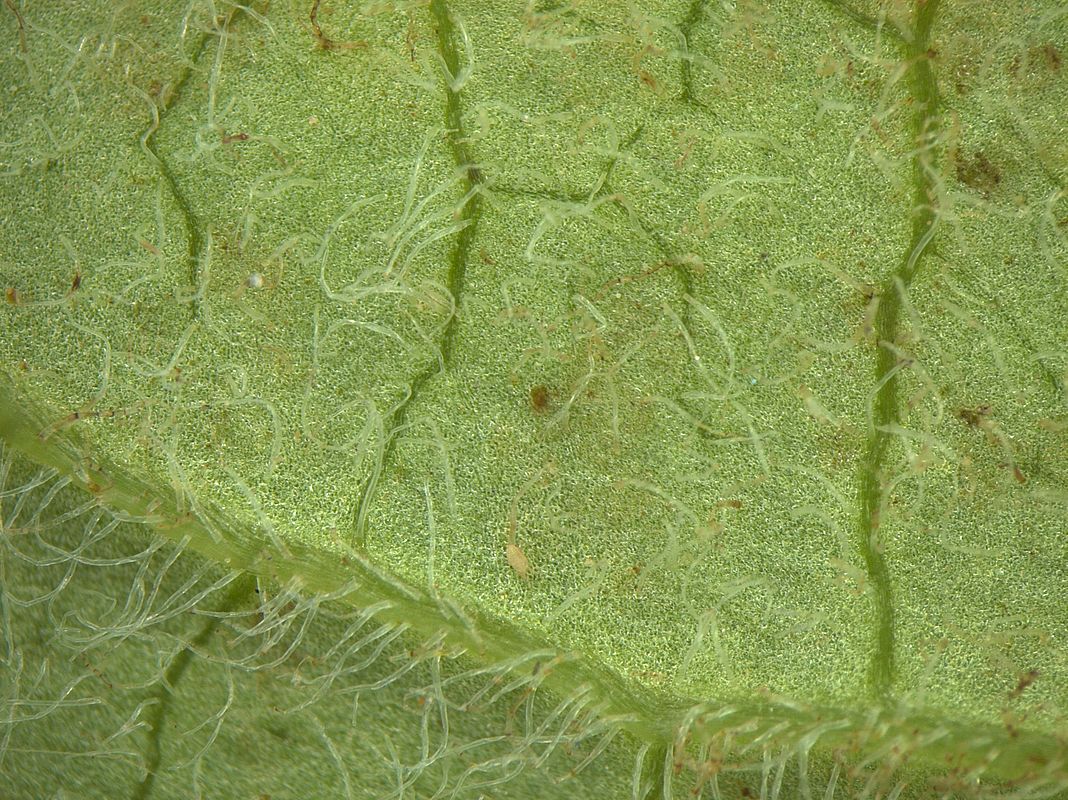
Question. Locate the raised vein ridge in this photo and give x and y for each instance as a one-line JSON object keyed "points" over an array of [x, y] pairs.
{"points": [[785, 726], [885, 409], [470, 213]]}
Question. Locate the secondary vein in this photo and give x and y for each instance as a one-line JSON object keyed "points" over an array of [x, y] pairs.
{"points": [[470, 213], [885, 408]]}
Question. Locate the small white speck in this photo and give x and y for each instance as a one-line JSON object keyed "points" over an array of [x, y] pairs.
{"points": [[254, 281]]}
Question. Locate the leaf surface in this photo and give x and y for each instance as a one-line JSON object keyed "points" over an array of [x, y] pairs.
{"points": [[703, 364]]}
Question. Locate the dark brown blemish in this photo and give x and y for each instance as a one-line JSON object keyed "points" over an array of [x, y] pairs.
{"points": [[649, 81], [1025, 680], [324, 41], [625, 279], [20, 22], [979, 173], [539, 398], [974, 417], [1052, 56], [89, 666], [1044, 55]]}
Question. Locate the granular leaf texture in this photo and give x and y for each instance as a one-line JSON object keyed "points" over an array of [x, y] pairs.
{"points": [[454, 399]]}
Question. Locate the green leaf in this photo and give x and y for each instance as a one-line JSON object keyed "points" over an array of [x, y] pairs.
{"points": [[443, 399]]}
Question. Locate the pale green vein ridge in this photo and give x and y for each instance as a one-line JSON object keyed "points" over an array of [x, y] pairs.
{"points": [[656, 720], [470, 214], [885, 411]]}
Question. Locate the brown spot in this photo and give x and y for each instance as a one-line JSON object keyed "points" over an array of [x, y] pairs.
{"points": [[974, 417], [237, 137], [1025, 680], [98, 673], [1044, 55], [979, 173], [11, 294], [1051, 55], [410, 38], [539, 398], [324, 41], [625, 279], [77, 282], [649, 81], [1011, 722]]}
